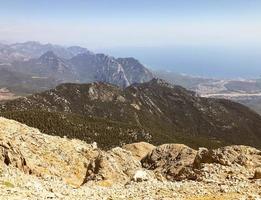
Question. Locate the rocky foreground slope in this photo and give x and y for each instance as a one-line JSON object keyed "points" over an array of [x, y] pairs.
{"points": [[38, 166]]}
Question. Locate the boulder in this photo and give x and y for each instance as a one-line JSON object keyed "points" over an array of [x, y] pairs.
{"points": [[116, 165], [229, 155], [172, 161], [139, 150]]}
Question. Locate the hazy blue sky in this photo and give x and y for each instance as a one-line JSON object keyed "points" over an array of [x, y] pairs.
{"points": [[185, 35], [112, 23]]}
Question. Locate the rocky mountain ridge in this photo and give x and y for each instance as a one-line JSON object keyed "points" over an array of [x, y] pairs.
{"points": [[29, 50], [34, 165], [161, 111]]}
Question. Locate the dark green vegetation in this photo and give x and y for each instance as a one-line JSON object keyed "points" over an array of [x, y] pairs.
{"points": [[154, 111], [106, 133]]}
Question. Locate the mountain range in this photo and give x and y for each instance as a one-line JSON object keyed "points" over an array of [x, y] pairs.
{"points": [[155, 111], [47, 65]]}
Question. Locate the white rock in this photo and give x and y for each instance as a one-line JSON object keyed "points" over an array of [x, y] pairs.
{"points": [[94, 145], [140, 175]]}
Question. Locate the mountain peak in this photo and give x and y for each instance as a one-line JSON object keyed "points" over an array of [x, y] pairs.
{"points": [[49, 54], [50, 65], [128, 58], [50, 58]]}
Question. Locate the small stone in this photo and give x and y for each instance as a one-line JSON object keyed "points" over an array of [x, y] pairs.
{"points": [[257, 174], [224, 188]]}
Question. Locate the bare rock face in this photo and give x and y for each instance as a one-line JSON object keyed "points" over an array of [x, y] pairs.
{"points": [[171, 160], [179, 162], [116, 166], [241, 155], [140, 149], [42, 155], [10, 155], [228, 163]]}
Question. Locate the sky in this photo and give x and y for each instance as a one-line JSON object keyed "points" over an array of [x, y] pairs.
{"points": [[112, 25]]}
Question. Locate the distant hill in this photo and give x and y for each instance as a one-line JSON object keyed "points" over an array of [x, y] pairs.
{"points": [[163, 112]]}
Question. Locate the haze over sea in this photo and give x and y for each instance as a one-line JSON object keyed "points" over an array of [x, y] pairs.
{"points": [[210, 61]]}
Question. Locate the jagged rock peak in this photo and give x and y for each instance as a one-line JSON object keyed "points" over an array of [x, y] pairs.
{"points": [[161, 82]]}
